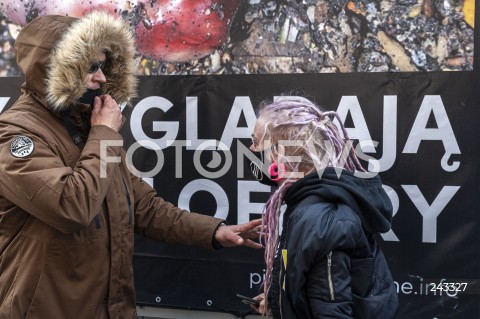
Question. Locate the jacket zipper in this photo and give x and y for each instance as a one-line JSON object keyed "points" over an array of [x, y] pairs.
{"points": [[329, 273], [281, 288], [281, 277], [127, 194]]}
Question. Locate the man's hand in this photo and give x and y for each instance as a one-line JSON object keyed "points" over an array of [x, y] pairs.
{"points": [[239, 235], [106, 112]]}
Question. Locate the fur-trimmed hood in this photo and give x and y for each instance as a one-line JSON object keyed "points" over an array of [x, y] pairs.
{"points": [[55, 53]]}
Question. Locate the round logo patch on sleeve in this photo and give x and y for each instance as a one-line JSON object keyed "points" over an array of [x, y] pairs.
{"points": [[21, 146]]}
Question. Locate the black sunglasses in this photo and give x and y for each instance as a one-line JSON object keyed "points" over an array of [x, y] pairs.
{"points": [[95, 66]]}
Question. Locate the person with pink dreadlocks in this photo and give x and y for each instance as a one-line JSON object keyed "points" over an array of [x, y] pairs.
{"points": [[325, 262]]}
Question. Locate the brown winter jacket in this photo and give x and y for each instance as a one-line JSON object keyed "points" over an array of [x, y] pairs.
{"points": [[66, 233]]}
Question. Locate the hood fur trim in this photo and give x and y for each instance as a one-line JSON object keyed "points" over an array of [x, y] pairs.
{"points": [[78, 48]]}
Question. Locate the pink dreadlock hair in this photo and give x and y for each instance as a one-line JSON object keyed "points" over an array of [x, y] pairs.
{"points": [[318, 145]]}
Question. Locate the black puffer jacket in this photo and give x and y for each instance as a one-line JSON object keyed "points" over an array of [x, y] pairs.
{"points": [[329, 265]]}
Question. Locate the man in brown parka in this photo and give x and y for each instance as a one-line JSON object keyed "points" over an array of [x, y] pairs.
{"points": [[66, 232]]}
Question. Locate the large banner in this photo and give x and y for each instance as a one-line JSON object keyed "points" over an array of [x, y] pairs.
{"points": [[188, 138], [419, 130], [385, 66]]}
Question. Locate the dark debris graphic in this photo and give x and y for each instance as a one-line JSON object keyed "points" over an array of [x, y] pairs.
{"points": [[318, 36]]}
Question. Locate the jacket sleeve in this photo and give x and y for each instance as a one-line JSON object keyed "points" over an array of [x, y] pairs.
{"points": [[63, 197], [158, 219], [318, 267]]}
